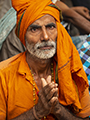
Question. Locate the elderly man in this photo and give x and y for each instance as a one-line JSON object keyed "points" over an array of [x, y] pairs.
{"points": [[47, 81]]}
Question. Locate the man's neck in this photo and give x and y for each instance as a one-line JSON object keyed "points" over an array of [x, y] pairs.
{"points": [[38, 66]]}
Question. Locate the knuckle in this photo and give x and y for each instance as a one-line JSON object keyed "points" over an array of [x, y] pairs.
{"points": [[53, 101], [51, 94], [46, 106], [48, 97]]}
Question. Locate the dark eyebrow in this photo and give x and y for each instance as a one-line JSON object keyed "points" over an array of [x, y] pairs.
{"points": [[50, 24], [36, 26]]}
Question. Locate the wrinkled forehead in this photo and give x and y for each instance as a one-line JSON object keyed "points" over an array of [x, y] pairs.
{"points": [[44, 20]]}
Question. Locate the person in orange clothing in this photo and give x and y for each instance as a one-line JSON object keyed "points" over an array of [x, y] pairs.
{"points": [[47, 81]]}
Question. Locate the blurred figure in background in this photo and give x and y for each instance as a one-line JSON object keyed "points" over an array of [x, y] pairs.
{"points": [[5, 5], [82, 10], [85, 3], [9, 47]]}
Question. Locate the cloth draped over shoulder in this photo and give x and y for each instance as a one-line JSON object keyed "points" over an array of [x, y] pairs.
{"points": [[71, 76], [6, 24]]}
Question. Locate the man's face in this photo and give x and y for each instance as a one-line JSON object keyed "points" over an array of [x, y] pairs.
{"points": [[41, 37]]}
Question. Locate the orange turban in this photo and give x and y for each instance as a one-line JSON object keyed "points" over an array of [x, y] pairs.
{"points": [[71, 76], [30, 10]]}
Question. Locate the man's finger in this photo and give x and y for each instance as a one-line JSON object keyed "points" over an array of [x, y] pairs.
{"points": [[48, 79], [52, 93], [49, 87], [44, 83], [53, 101]]}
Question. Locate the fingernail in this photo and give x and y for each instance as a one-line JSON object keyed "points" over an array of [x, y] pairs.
{"points": [[56, 84], [42, 78], [49, 76]]}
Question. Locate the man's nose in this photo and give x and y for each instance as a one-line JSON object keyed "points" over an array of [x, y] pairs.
{"points": [[44, 35]]}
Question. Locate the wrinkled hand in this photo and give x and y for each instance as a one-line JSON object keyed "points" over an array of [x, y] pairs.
{"points": [[48, 97], [82, 11]]}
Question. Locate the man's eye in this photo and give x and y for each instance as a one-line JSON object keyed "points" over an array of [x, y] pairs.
{"points": [[33, 29], [51, 26]]}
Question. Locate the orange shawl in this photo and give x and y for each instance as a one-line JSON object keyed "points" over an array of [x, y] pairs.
{"points": [[71, 76]]}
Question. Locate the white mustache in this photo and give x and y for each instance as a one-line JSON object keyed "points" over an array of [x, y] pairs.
{"points": [[44, 44], [34, 49]]}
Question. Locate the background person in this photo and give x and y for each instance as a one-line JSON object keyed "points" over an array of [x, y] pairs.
{"points": [[82, 10]]}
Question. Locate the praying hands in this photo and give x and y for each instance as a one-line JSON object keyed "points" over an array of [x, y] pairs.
{"points": [[48, 98]]}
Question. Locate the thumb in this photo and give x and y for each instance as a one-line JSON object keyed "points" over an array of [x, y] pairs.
{"points": [[48, 79], [44, 83]]}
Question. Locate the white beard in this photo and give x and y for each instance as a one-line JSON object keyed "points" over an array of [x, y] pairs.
{"points": [[34, 50]]}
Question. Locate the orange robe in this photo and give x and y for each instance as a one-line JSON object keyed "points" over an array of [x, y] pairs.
{"points": [[16, 89]]}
